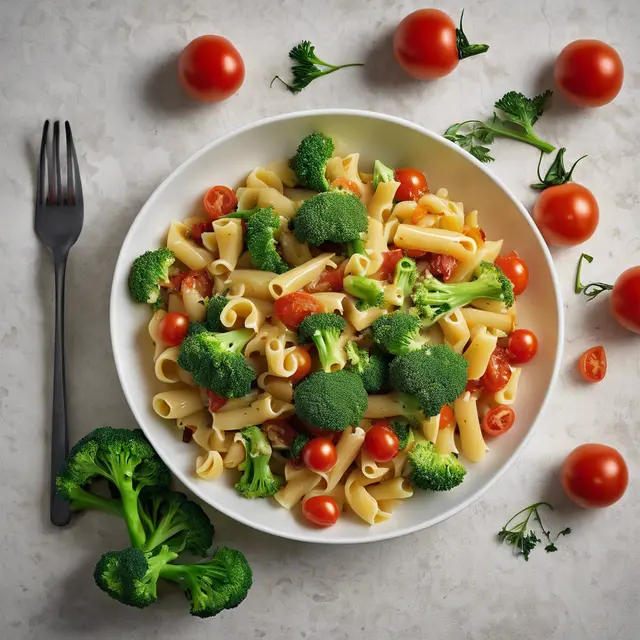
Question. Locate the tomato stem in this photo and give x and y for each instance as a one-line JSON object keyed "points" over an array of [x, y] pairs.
{"points": [[592, 289], [465, 49]]}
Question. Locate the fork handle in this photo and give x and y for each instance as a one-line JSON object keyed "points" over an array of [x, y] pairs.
{"points": [[60, 509]]}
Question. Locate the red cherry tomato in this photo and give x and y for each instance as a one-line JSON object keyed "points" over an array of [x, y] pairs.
{"points": [[343, 184], [388, 267], [304, 364], [474, 386], [319, 454], [515, 268], [329, 280], [589, 73], [293, 308], [523, 346], [198, 229], [498, 420], [321, 510], [566, 214], [173, 328], [200, 280], [447, 417], [593, 364], [413, 184], [216, 402], [219, 201], [279, 432], [594, 475], [498, 371], [441, 266], [625, 299], [210, 69], [381, 442]]}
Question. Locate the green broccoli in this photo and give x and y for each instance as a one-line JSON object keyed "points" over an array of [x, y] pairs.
{"points": [[125, 458], [435, 375], [323, 329], [261, 243], [215, 307], [331, 401], [257, 481], [310, 161], [298, 444], [433, 471], [405, 276], [382, 173], [148, 272], [433, 299], [404, 433], [196, 327], [216, 362], [333, 216], [369, 292], [372, 367], [397, 332]]}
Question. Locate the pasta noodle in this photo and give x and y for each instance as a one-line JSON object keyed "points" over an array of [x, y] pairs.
{"points": [[185, 249], [478, 353], [347, 449], [247, 313], [476, 317], [394, 489], [209, 467], [177, 404], [455, 329], [229, 238], [166, 366], [299, 482], [300, 276], [264, 408], [255, 284], [507, 395], [360, 501], [442, 241], [471, 440], [331, 302]]}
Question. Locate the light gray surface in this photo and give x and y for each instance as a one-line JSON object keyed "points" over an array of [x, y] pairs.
{"points": [[107, 66]]}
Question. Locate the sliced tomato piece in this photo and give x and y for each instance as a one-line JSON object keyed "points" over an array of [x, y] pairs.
{"points": [[498, 420], [441, 266], [219, 201], [216, 402], [199, 280], [198, 229], [593, 364]]}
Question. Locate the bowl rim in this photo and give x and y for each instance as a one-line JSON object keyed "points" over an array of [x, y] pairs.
{"points": [[315, 536]]}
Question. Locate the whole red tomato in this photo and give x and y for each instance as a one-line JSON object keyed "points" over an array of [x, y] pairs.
{"points": [[625, 299]]}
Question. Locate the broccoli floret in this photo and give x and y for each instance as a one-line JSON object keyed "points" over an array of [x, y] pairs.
{"points": [[405, 276], [216, 362], [435, 375], [433, 298], [397, 332], [368, 291], [196, 328], [334, 216], [331, 401], [310, 161], [257, 481], [261, 243], [382, 173], [372, 367], [433, 471], [404, 433], [148, 272], [214, 309], [323, 329], [298, 444]]}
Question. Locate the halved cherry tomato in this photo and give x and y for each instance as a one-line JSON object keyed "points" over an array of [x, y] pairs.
{"points": [[515, 268], [381, 442], [388, 267], [415, 253], [441, 266], [329, 280], [198, 229], [216, 402], [302, 357], [343, 184], [447, 419], [219, 201], [413, 184], [474, 385], [321, 510], [523, 346], [293, 308], [418, 213], [593, 364], [319, 455], [476, 233], [279, 433], [498, 420], [498, 371], [200, 280], [176, 280], [173, 328]]}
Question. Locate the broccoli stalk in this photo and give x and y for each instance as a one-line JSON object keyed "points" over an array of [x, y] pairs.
{"points": [[434, 299], [372, 368], [433, 471], [397, 332], [148, 272], [323, 329], [310, 162], [257, 481], [405, 276], [355, 246], [382, 173], [369, 292]]}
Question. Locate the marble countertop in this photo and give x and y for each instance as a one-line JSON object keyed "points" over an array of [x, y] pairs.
{"points": [[107, 66]]}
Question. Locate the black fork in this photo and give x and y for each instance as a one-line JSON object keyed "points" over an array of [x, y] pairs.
{"points": [[58, 222]]}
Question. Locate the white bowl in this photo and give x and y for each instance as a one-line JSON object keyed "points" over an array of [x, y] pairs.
{"points": [[397, 142]]}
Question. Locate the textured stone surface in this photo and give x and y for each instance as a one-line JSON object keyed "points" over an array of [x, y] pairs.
{"points": [[107, 66]]}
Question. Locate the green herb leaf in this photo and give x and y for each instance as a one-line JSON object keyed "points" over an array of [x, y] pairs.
{"points": [[465, 49], [556, 173]]}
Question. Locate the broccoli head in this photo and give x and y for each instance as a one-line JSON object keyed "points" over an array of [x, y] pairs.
{"points": [[196, 327], [369, 292], [331, 401], [148, 272], [397, 332], [261, 243], [310, 162], [297, 445], [405, 275], [257, 481], [372, 367], [435, 375], [433, 471], [323, 329], [382, 173], [333, 216], [215, 306], [434, 299], [216, 362], [404, 433]]}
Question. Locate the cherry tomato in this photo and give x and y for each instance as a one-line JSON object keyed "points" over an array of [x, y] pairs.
{"points": [[219, 201], [523, 346], [625, 299], [293, 308], [594, 475], [566, 214], [447, 418], [343, 184], [304, 364], [441, 266], [498, 371], [388, 267], [216, 402], [321, 510], [474, 386], [515, 268], [498, 420], [329, 280], [200, 280], [593, 364], [210, 69], [173, 328], [413, 184], [319, 455], [589, 73], [415, 253], [279, 432], [381, 442], [198, 229]]}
